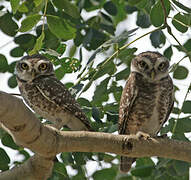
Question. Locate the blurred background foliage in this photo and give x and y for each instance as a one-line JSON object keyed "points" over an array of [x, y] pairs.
{"points": [[45, 26]]}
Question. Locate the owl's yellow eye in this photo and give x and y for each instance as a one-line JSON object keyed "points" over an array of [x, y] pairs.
{"points": [[161, 66], [43, 66], [24, 66]]}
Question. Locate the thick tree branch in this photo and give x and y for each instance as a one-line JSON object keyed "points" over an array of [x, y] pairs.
{"points": [[35, 168], [47, 141]]}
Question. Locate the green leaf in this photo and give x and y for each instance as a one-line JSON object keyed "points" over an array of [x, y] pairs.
{"points": [[180, 136], [38, 44], [133, 2], [60, 72], [124, 74], [142, 171], [142, 4], [14, 5], [143, 20], [168, 52], [61, 49], [68, 7], [105, 174], [169, 127], [100, 94], [84, 102], [67, 158], [127, 55], [28, 23], [186, 107], [110, 7], [96, 114], [167, 5], [113, 117], [180, 73], [156, 15], [8, 141], [23, 8], [25, 41], [181, 21], [158, 39], [108, 158], [181, 168], [127, 177], [12, 81], [60, 28], [111, 107], [183, 125], [17, 52], [60, 168], [4, 158], [112, 128], [8, 25], [37, 2], [3, 63], [140, 162], [79, 158], [187, 45], [185, 8], [108, 68], [11, 67], [121, 12]]}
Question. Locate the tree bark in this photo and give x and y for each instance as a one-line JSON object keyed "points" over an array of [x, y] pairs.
{"points": [[47, 141], [35, 168]]}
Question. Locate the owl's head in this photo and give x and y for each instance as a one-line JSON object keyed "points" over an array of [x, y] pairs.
{"points": [[152, 65], [32, 67]]}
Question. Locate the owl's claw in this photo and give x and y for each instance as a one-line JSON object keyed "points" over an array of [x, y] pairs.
{"points": [[142, 135]]}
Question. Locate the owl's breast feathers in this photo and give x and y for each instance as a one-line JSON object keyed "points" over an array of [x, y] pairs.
{"points": [[55, 97], [145, 106]]}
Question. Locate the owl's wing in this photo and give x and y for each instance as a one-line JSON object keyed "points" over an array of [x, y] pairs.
{"points": [[53, 90], [171, 101], [128, 97]]}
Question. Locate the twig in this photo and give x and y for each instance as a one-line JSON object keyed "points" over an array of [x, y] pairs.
{"points": [[44, 15]]}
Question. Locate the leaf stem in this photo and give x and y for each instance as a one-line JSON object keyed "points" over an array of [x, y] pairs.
{"points": [[44, 15]]}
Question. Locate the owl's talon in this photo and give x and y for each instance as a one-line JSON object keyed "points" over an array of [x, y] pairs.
{"points": [[142, 135]]}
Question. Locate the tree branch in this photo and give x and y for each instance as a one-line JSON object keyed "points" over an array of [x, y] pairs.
{"points": [[48, 141], [35, 168]]}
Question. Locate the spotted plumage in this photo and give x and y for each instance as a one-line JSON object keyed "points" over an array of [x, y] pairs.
{"points": [[147, 98], [46, 95]]}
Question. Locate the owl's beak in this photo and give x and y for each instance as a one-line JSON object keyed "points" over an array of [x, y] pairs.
{"points": [[152, 74], [33, 72]]}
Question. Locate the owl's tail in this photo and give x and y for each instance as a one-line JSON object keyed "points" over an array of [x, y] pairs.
{"points": [[126, 163]]}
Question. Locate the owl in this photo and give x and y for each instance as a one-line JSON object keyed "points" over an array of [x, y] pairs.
{"points": [[147, 99], [46, 95]]}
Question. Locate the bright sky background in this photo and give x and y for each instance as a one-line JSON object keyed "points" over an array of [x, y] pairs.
{"points": [[6, 44]]}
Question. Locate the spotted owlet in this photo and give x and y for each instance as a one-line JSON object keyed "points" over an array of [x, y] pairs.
{"points": [[147, 99], [46, 95]]}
